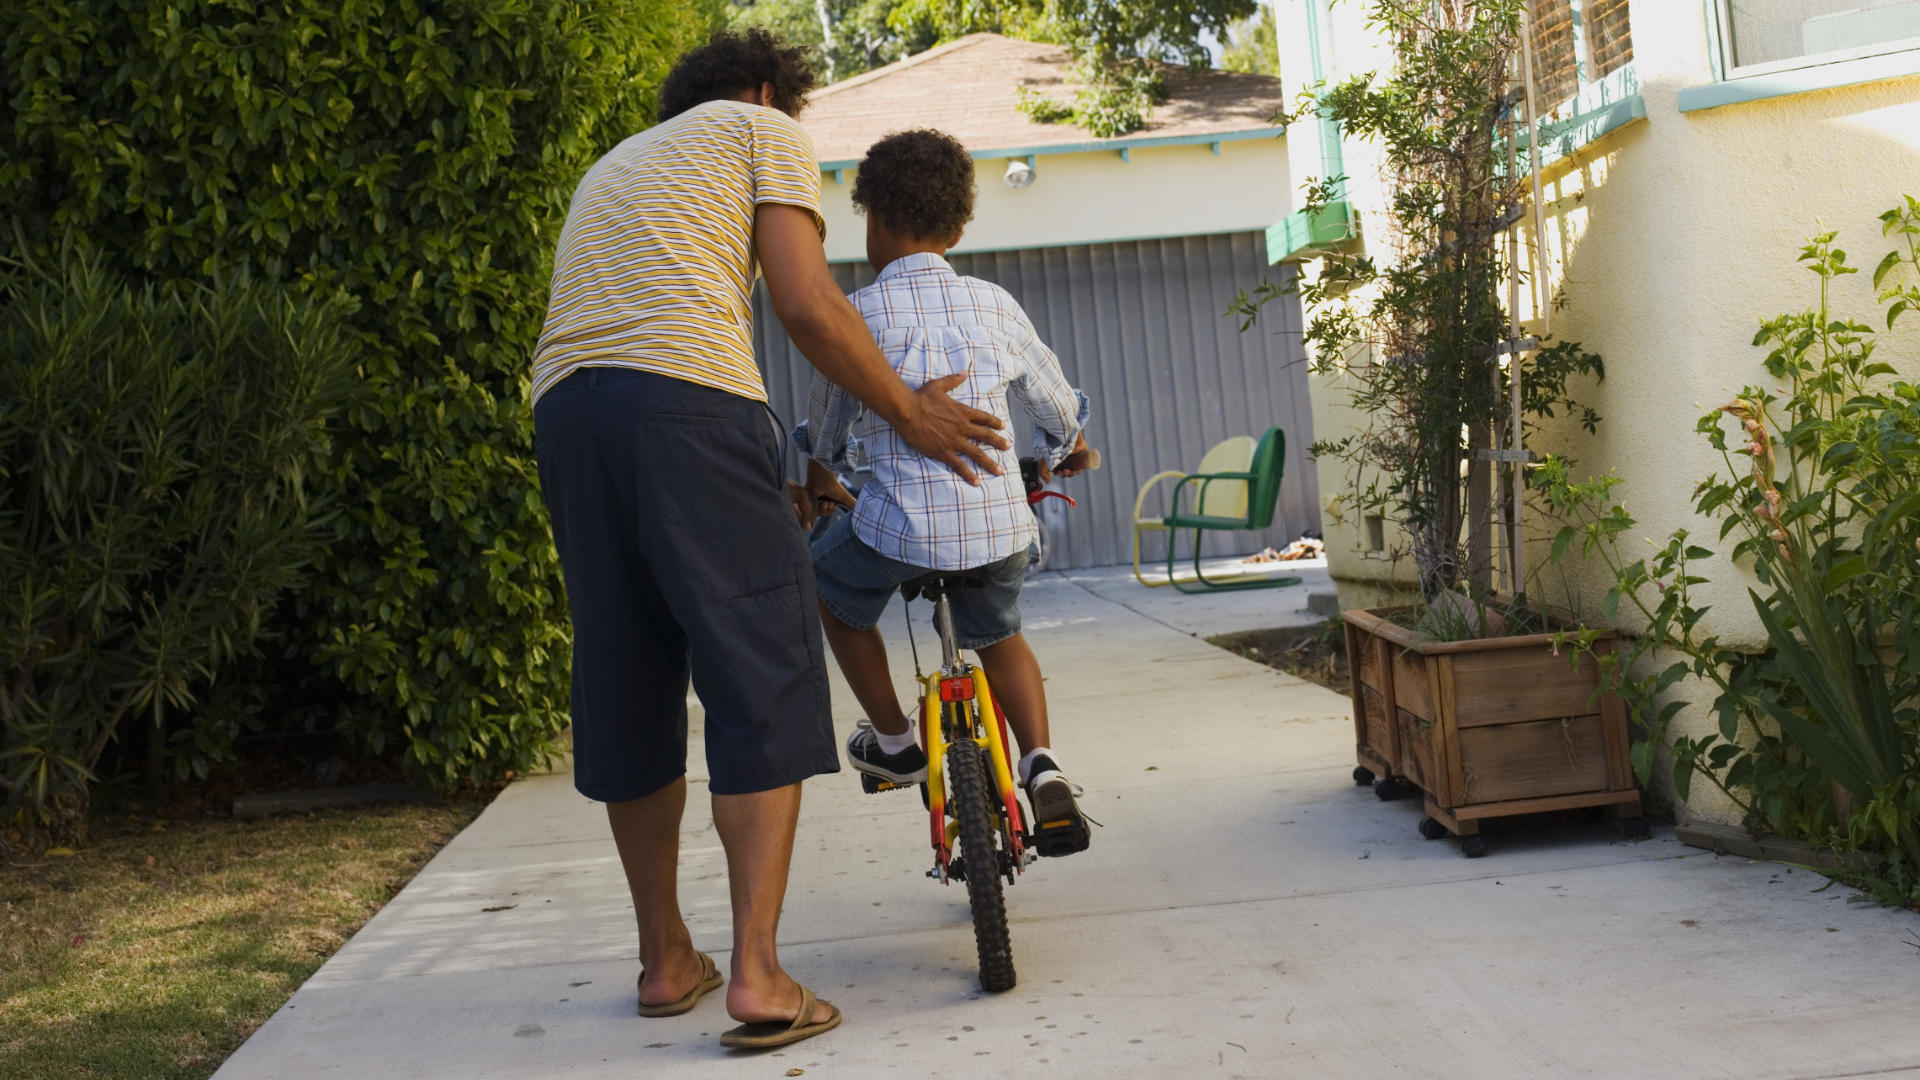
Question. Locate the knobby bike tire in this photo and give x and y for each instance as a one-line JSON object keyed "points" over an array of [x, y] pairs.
{"points": [[979, 842]]}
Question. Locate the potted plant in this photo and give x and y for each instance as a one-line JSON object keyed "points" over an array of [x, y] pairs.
{"points": [[1458, 694]]}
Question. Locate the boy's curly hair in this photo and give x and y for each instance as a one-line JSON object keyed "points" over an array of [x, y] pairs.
{"points": [[917, 183], [733, 63]]}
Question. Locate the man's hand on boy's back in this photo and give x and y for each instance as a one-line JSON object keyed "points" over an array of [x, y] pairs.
{"points": [[938, 420]]}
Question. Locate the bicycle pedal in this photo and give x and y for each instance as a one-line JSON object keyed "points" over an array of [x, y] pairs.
{"points": [[1060, 838]]}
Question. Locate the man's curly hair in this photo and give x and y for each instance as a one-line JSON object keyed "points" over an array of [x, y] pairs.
{"points": [[730, 64], [917, 183]]}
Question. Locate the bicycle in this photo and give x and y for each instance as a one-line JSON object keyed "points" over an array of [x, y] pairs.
{"points": [[970, 793]]}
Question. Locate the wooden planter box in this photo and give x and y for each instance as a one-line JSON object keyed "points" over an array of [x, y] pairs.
{"points": [[1485, 728]]}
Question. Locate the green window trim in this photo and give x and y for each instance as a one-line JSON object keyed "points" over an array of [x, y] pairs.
{"points": [[1332, 153], [1303, 234], [1827, 76], [1600, 109]]}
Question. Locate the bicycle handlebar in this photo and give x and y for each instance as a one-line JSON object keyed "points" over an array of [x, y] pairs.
{"points": [[1036, 493]]}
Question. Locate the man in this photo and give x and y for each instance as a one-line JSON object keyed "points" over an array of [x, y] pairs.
{"points": [[661, 467]]}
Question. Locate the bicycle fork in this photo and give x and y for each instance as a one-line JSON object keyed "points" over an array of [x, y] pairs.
{"points": [[959, 697]]}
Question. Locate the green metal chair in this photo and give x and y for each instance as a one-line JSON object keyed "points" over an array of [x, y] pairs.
{"points": [[1261, 486]]}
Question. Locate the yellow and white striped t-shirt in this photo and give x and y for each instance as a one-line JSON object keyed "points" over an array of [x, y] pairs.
{"points": [[655, 267]]}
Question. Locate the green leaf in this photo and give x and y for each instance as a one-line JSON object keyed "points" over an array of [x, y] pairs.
{"points": [[1561, 541], [1886, 266], [1845, 570], [1642, 757]]}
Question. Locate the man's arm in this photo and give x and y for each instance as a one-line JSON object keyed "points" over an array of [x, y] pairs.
{"points": [[835, 340]]}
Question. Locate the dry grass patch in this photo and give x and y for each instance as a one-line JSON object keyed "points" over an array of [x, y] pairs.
{"points": [[1316, 653], [154, 955]]}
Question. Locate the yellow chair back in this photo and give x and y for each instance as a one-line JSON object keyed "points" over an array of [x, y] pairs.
{"points": [[1226, 498]]}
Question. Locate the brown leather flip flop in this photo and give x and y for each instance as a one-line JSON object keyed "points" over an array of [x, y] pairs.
{"points": [[710, 981], [773, 1033]]}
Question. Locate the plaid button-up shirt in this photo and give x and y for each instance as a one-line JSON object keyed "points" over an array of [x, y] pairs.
{"points": [[932, 322]]}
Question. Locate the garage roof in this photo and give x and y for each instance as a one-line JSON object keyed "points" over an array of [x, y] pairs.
{"points": [[969, 89]]}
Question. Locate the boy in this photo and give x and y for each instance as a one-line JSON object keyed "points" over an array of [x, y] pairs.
{"points": [[916, 189]]}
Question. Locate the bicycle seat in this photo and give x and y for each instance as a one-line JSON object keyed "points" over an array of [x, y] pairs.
{"points": [[933, 584]]}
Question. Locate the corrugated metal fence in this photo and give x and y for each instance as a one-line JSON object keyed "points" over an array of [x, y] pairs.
{"points": [[1138, 327]]}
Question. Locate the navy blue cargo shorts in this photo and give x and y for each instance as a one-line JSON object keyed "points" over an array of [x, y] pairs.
{"points": [[682, 559]]}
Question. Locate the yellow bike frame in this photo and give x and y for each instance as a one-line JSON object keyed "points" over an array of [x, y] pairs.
{"points": [[981, 722]]}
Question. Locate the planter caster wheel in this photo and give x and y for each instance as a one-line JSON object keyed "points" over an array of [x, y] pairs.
{"points": [[1362, 775], [1431, 829], [1390, 788], [1473, 846], [1635, 828]]}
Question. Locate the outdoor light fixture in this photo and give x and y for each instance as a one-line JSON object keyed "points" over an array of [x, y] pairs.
{"points": [[1019, 173]]}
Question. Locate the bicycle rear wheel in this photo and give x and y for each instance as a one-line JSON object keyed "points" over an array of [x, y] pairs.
{"points": [[980, 844]]}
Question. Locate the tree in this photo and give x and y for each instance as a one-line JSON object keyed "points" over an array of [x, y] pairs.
{"points": [[1417, 339], [846, 37], [1253, 45]]}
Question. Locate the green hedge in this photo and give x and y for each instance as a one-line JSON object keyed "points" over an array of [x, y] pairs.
{"points": [[156, 448], [419, 157]]}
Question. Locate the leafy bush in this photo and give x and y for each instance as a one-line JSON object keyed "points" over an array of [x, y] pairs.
{"points": [[420, 158], [1821, 736], [156, 452]]}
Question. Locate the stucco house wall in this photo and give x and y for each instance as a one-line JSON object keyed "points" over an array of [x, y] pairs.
{"points": [[1098, 197]]}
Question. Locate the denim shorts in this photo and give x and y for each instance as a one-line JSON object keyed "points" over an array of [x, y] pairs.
{"points": [[856, 582], [683, 562]]}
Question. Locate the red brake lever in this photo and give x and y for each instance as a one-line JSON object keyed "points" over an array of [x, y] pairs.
{"points": [[1034, 499]]}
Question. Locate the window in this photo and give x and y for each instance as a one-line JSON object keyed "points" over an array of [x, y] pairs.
{"points": [[1578, 44], [1759, 36]]}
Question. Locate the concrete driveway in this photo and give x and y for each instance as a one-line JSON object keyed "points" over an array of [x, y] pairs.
{"points": [[1246, 912]]}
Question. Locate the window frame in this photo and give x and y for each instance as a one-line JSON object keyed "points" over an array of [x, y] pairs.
{"points": [[1720, 27], [1598, 107], [1591, 93]]}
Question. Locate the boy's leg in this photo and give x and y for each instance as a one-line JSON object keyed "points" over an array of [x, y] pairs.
{"points": [[862, 655], [855, 585], [989, 623], [1014, 673]]}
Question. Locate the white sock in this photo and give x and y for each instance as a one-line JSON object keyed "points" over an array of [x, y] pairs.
{"points": [[1026, 763], [894, 744]]}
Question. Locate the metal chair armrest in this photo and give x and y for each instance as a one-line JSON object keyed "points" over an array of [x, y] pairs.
{"points": [[1147, 488]]}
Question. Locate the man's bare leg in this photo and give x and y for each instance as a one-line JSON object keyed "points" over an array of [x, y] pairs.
{"points": [[647, 833], [862, 656], [1014, 673], [757, 831]]}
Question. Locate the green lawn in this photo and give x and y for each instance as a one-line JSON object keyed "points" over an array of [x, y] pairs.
{"points": [[155, 955]]}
